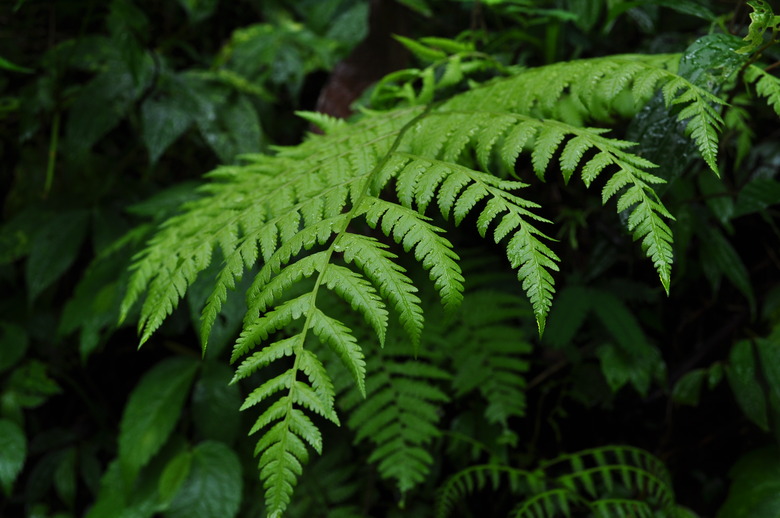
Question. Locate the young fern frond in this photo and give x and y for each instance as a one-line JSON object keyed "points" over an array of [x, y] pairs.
{"points": [[313, 217]]}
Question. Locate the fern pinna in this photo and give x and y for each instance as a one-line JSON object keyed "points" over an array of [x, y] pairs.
{"points": [[313, 218]]}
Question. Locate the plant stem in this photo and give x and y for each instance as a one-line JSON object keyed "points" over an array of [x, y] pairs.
{"points": [[55, 134]]}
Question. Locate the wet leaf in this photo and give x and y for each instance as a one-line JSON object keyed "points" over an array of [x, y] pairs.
{"points": [[709, 63], [214, 486]]}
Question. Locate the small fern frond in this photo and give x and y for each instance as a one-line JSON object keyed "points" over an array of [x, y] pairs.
{"points": [[399, 414], [767, 86], [704, 121], [487, 351]]}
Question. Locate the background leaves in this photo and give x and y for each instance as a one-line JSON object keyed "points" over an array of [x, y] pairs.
{"points": [[110, 114]]}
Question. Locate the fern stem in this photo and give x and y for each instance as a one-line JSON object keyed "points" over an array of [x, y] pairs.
{"points": [[307, 325], [52, 157]]}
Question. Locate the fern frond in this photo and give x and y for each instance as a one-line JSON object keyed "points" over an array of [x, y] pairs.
{"points": [[704, 121], [767, 86], [301, 218], [600, 472], [399, 414], [601, 480], [487, 351]]}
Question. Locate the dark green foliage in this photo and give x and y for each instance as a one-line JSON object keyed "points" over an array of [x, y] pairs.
{"points": [[555, 231]]}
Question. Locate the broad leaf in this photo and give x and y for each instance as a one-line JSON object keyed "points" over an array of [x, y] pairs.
{"points": [[13, 451], [152, 411], [755, 490], [199, 10], [164, 118], [215, 404], [743, 377], [214, 486], [173, 476], [54, 247]]}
